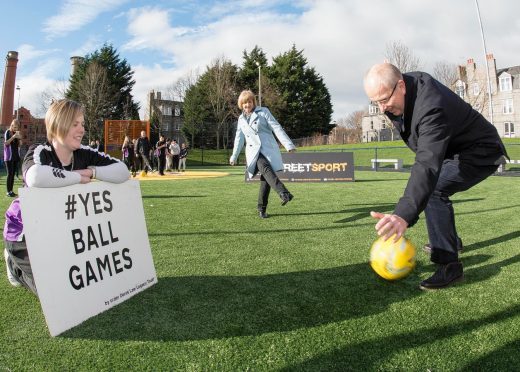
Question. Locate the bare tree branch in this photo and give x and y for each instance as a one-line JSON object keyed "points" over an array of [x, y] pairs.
{"points": [[446, 73], [402, 57]]}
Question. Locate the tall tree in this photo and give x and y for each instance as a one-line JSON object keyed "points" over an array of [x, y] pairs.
{"points": [[197, 113], [95, 93], [254, 75], [350, 126], [120, 83], [222, 93], [178, 89], [446, 73], [308, 107], [402, 57]]}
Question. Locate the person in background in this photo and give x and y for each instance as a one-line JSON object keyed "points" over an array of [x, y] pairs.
{"points": [[128, 155], [12, 154], [161, 154], [143, 149], [137, 160], [257, 128], [61, 161], [169, 158], [175, 150], [182, 157], [455, 149]]}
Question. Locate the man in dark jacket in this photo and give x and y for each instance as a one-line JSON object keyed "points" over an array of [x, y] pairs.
{"points": [[455, 147], [143, 151]]}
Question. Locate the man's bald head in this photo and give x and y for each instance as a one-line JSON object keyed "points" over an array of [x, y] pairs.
{"points": [[384, 86], [381, 76]]}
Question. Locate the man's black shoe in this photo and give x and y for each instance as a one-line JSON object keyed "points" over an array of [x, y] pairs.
{"points": [[444, 276], [11, 194], [286, 197], [263, 214], [428, 248]]}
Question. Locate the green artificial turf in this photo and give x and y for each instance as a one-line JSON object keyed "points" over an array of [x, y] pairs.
{"points": [[292, 292]]}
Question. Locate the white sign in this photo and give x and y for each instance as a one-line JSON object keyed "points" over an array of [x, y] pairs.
{"points": [[88, 247]]}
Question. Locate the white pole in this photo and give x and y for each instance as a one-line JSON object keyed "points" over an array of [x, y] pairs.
{"points": [[487, 65], [259, 85], [18, 109]]}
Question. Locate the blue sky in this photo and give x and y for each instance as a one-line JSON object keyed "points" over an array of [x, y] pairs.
{"points": [[164, 40]]}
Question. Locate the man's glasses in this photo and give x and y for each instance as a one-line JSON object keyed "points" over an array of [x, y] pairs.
{"points": [[384, 101]]}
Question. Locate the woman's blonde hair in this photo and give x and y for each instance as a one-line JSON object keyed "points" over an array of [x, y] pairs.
{"points": [[245, 96], [60, 117], [15, 122]]}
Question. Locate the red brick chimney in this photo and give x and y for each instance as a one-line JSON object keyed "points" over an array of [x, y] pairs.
{"points": [[8, 89]]}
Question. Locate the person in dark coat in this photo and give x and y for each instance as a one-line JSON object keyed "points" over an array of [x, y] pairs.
{"points": [[11, 154], [161, 154], [142, 150], [455, 149]]}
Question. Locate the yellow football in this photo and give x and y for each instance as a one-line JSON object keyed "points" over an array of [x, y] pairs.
{"points": [[143, 174], [392, 260]]}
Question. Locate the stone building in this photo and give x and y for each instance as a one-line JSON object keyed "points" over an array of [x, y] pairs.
{"points": [[169, 115], [377, 127], [472, 86]]}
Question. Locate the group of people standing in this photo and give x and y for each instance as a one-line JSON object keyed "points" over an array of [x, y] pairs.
{"points": [[140, 155]]}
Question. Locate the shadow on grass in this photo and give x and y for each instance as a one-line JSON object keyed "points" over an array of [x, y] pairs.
{"points": [[501, 359], [371, 355], [493, 241], [214, 307], [362, 210], [172, 196], [256, 231]]}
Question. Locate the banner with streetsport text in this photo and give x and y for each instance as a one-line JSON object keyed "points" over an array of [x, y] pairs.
{"points": [[315, 167]]}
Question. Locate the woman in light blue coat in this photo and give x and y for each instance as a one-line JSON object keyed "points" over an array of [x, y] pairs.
{"points": [[256, 129]]}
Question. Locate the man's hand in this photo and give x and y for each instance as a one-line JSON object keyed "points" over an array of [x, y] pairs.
{"points": [[231, 162], [389, 224]]}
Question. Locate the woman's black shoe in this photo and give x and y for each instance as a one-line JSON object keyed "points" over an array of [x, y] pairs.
{"points": [[286, 197], [262, 214]]}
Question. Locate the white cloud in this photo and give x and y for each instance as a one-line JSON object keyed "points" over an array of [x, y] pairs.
{"points": [[33, 84], [92, 43], [74, 14], [340, 39], [27, 53]]}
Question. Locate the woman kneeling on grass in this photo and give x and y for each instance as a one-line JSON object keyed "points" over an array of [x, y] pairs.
{"points": [[61, 161]]}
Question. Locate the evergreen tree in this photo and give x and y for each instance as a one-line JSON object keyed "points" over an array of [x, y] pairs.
{"points": [[248, 74], [119, 80], [197, 113], [308, 106]]}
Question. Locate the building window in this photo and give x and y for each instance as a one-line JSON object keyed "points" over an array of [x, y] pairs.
{"points": [[373, 109], [509, 129], [459, 88], [166, 110], [507, 108], [476, 89], [177, 111], [371, 124], [505, 83]]}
